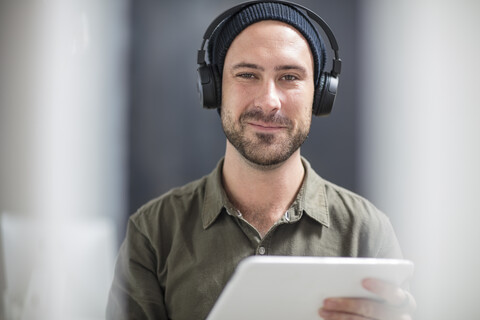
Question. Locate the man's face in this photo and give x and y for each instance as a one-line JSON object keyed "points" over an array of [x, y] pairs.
{"points": [[267, 92]]}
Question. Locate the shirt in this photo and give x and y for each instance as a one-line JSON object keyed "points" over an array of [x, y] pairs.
{"points": [[181, 248]]}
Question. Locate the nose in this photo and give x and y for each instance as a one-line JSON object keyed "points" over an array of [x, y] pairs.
{"points": [[268, 97]]}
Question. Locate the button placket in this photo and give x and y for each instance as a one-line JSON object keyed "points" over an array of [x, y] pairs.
{"points": [[262, 248]]}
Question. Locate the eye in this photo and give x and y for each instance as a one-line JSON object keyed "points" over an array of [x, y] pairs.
{"points": [[289, 77], [246, 75]]}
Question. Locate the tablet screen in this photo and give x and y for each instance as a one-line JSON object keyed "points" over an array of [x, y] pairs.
{"points": [[275, 287]]}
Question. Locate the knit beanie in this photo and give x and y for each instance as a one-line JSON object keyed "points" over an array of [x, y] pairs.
{"points": [[230, 28]]}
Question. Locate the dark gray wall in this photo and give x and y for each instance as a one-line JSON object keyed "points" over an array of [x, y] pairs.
{"points": [[173, 140]]}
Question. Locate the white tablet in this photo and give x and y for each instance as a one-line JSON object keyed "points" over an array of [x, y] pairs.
{"points": [[274, 287]]}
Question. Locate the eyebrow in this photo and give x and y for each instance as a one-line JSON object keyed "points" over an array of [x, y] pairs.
{"points": [[277, 68], [247, 65], [291, 67]]}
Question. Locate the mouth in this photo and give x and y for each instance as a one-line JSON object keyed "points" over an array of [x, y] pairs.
{"points": [[262, 123], [267, 127]]}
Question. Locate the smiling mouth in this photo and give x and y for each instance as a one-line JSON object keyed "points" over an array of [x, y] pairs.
{"points": [[267, 126], [265, 123]]}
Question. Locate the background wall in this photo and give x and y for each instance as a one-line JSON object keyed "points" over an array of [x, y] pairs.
{"points": [[62, 155]]}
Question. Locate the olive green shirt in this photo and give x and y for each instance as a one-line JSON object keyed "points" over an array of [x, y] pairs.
{"points": [[181, 248]]}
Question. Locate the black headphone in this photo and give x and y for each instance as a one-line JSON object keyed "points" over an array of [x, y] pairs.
{"points": [[209, 81]]}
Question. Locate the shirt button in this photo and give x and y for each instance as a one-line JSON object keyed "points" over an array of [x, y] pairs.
{"points": [[261, 250]]}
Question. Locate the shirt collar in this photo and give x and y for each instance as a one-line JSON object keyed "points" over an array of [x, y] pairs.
{"points": [[215, 197], [312, 198]]}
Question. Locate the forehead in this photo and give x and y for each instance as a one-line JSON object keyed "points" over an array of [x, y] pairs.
{"points": [[270, 37]]}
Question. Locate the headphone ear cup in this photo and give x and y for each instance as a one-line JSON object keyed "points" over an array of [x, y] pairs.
{"points": [[325, 95], [206, 86]]}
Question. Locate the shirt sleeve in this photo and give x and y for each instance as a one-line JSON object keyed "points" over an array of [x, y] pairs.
{"points": [[390, 247], [135, 292]]}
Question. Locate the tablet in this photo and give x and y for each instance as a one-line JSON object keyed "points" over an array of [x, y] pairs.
{"points": [[276, 287]]}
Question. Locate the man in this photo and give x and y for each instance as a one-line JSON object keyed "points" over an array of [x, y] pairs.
{"points": [[263, 197]]}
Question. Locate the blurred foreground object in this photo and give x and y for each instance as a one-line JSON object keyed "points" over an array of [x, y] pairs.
{"points": [[62, 149]]}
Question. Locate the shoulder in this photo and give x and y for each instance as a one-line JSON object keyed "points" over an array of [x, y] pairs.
{"points": [[171, 205], [339, 203], [356, 218], [155, 225], [337, 200], [351, 219], [348, 206], [347, 199]]}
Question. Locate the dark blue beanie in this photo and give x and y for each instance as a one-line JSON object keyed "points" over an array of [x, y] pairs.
{"points": [[224, 35]]}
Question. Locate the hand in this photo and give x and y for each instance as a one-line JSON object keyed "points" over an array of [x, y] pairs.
{"points": [[394, 304]]}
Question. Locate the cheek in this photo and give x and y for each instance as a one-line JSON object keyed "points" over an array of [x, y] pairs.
{"points": [[235, 96], [301, 102], [309, 95]]}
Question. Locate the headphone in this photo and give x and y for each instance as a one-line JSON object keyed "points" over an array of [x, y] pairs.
{"points": [[209, 80]]}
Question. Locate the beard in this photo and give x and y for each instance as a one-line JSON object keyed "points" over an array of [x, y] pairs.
{"points": [[265, 149]]}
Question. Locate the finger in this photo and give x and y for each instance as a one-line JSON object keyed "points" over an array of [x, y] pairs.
{"points": [[364, 308], [357, 308], [333, 315], [392, 294]]}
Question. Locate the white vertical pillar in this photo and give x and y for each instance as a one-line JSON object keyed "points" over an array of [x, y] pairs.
{"points": [[421, 142], [63, 139]]}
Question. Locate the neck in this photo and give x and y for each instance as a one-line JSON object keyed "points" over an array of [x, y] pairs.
{"points": [[262, 194]]}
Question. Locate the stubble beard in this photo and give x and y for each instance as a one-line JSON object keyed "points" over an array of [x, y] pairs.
{"points": [[264, 149]]}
